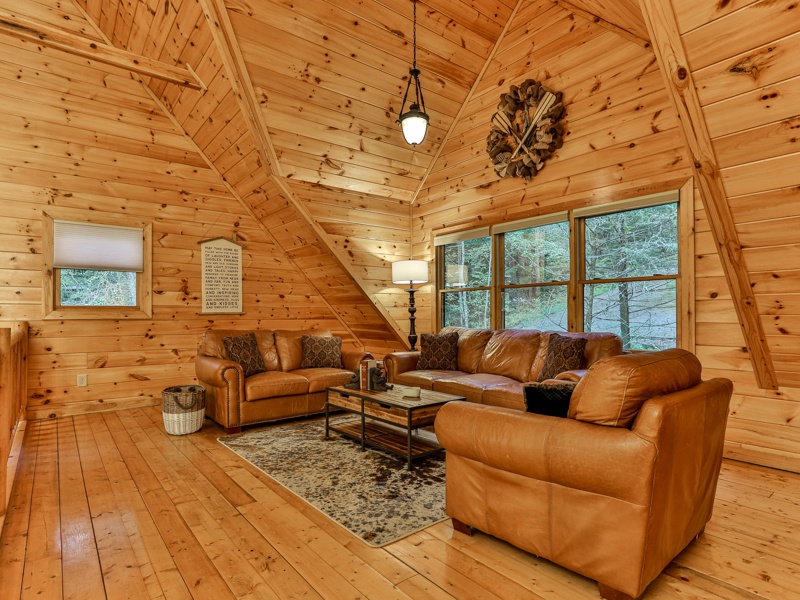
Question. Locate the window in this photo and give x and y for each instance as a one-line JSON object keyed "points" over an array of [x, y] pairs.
{"points": [[630, 263], [466, 278], [592, 269], [96, 268]]}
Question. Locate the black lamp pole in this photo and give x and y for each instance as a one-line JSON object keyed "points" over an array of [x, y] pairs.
{"points": [[412, 332]]}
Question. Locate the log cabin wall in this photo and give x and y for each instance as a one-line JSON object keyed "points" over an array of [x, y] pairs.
{"points": [[621, 138], [743, 59], [85, 136]]}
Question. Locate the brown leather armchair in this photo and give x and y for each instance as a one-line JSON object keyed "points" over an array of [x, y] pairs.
{"points": [[616, 490], [284, 390]]}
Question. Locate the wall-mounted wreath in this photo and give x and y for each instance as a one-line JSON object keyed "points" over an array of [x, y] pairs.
{"points": [[526, 129]]}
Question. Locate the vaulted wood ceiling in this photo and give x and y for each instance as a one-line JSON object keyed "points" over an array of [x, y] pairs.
{"points": [[296, 116]]}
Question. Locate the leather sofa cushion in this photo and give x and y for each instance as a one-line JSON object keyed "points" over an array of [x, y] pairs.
{"points": [[614, 388], [323, 377], [290, 348], [424, 379], [510, 352], [211, 345], [271, 384], [470, 386], [508, 395], [471, 345]]}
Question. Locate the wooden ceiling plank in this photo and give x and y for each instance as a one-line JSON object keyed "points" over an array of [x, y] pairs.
{"points": [[44, 35], [222, 29], [663, 27], [628, 35], [489, 59]]}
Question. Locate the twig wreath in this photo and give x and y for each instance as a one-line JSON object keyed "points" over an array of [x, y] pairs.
{"points": [[526, 129]]}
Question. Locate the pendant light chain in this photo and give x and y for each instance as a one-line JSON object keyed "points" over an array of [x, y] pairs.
{"points": [[415, 34]]}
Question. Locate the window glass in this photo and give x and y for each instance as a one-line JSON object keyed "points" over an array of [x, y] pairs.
{"points": [[634, 243], [467, 309], [537, 254], [89, 287], [468, 264], [642, 313], [541, 307]]}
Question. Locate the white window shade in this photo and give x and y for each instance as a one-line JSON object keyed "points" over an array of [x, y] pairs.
{"points": [[102, 247]]}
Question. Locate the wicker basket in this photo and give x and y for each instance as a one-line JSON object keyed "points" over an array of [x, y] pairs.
{"points": [[183, 408]]}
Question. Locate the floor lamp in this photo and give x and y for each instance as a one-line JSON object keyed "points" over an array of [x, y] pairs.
{"points": [[410, 272]]}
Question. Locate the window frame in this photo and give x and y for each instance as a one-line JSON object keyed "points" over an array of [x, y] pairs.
{"points": [[52, 309], [474, 234], [684, 280]]}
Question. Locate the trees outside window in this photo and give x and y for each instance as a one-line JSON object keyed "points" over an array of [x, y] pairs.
{"points": [[623, 274]]}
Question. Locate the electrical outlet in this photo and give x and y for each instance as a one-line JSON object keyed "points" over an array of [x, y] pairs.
{"points": [[83, 380]]}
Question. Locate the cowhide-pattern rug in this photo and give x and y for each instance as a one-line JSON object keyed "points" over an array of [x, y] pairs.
{"points": [[370, 493]]}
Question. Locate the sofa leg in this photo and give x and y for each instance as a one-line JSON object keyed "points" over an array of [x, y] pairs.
{"points": [[610, 593], [699, 533], [232, 430], [462, 527]]}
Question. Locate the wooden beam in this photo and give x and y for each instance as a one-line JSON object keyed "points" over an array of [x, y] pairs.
{"points": [[565, 4], [464, 104], [663, 27], [41, 34], [225, 38]]}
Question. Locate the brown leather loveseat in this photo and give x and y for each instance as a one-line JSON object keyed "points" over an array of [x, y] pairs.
{"points": [[615, 490], [284, 390], [494, 364]]}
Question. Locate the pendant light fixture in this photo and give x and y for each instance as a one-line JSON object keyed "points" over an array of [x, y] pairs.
{"points": [[414, 122]]}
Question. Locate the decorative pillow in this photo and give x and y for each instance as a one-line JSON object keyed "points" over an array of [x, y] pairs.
{"points": [[439, 351], [243, 349], [563, 354], [550, 399], [321, 352]]}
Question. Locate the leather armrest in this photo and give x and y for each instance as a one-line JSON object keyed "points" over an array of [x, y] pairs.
{"points": [[352, 358], [575, 375], [400, 362], [610, 461], [211, 370]]}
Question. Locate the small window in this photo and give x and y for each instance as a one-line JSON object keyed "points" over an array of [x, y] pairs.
{"points": [[96, 269]]}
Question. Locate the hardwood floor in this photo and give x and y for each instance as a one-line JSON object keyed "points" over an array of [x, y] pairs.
{"points": [[110, 506]]}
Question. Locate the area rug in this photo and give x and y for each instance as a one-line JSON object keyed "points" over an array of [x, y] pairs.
{"points": [[370, 493]]}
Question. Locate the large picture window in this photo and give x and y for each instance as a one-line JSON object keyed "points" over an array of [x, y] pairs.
{"points": [[96, 269], [612, 268]]}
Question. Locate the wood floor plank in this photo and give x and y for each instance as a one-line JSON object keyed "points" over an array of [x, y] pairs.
{"points": [[43, 569], [122, 576], [197, 570], [159, 572], [14, 538], [82, 576], [111, 506]]}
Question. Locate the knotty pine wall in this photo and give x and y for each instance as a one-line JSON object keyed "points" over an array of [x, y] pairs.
{"points": [[84, 137], [749, 87], [621, 138]]}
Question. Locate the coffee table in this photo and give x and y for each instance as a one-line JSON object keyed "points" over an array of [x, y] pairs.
{"points": [[380, 408]]}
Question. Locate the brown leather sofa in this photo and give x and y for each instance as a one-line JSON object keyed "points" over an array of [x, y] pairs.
{"points": [[616, 490], [493, 364], [284, 390]]}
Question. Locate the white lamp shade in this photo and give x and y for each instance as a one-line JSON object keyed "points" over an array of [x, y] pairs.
{"points": [[410, 271], [414, 125]]}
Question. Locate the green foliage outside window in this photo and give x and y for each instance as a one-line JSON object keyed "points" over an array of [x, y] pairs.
{"points": [[89, 287]]}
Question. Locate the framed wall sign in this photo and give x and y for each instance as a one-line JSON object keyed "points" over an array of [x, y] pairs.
{"points": [[221, 265]]}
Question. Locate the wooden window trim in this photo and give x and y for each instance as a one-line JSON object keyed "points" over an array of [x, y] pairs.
{"points": [[144, 280]]}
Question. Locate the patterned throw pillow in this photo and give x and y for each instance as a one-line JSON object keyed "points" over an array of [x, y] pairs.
{"points": [[439, 351], [243, 349], [563, 354], [321, 352], [550, 399]]}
